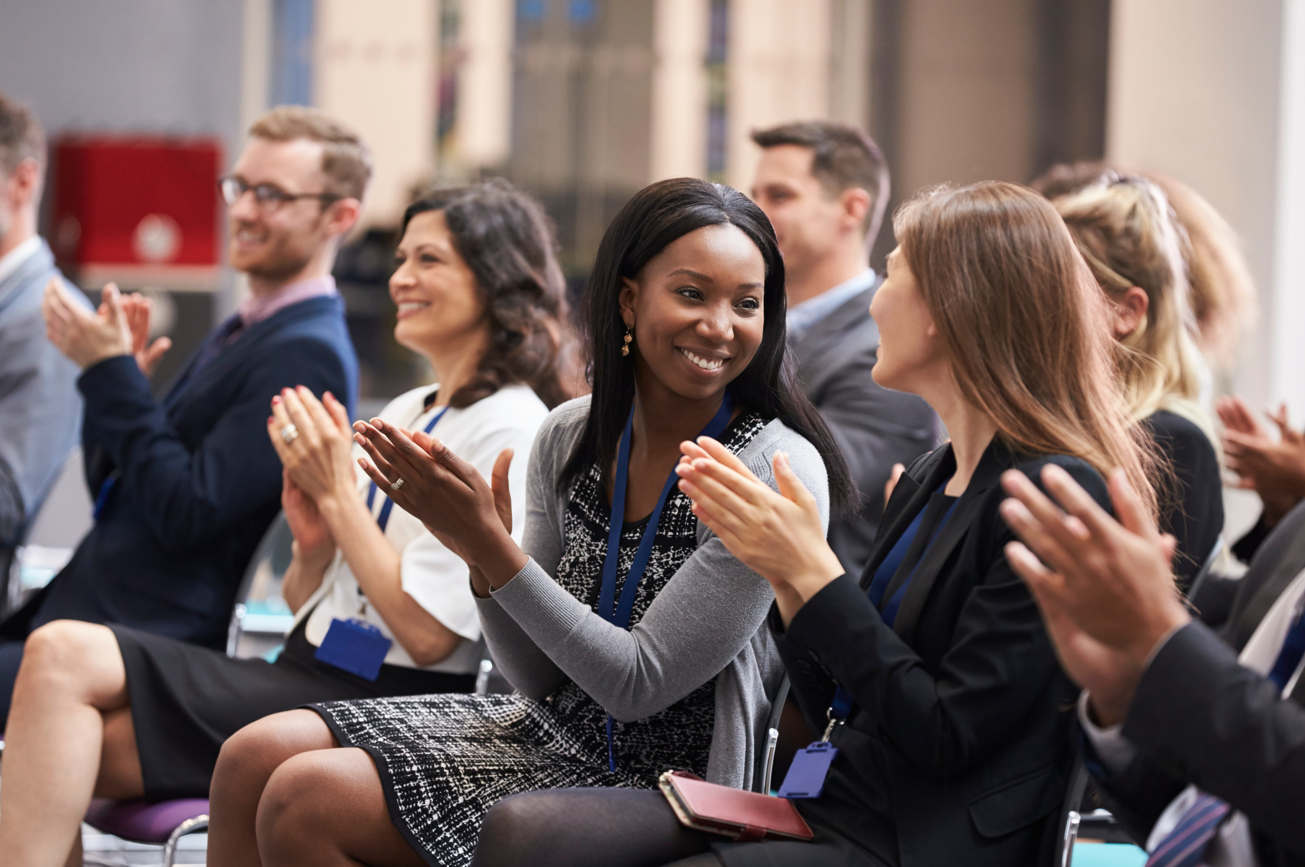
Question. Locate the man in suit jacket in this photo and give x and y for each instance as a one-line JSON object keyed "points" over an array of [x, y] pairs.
{"points": [[1199, 749], [185, 487], [39, 404], [824, 186]]}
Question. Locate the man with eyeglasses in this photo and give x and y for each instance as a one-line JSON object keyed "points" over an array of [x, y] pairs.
{"points": [[186, 486]]}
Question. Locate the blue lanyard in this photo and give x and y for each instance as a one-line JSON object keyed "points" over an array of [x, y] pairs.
{"points": [[102, 498], [619, 615], [388, 506]]}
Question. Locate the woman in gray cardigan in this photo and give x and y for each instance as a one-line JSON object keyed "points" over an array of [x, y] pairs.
{"points": [[632, 651]]}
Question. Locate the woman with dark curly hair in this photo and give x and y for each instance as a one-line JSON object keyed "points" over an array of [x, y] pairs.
{"points": [[119, 713]]}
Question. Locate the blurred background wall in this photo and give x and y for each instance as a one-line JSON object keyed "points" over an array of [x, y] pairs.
{"points": [[582, 102]]}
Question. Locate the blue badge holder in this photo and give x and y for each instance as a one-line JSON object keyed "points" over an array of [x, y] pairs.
{"points": [[354, 646], [806, 776]]}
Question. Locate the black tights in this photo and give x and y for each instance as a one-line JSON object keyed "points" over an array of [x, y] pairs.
{"points": [[582, 827]]}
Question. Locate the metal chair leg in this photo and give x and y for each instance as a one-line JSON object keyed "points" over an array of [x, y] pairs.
{"points": [[190, 826], [1071, 837], [772, 740]]}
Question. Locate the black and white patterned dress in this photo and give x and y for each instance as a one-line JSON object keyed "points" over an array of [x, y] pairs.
{"points": [[444, 760]]}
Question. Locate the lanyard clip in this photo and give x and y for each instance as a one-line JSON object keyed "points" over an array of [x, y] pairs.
{"points": [[829, 729]]}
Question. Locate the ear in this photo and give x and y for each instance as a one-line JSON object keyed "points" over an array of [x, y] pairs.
{"points": [[1129, 308], [628, 299], [26, 179], [856, 204], [342, 215]]}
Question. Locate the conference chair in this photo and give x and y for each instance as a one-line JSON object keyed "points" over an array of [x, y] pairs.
{"points": [[165, 823]]}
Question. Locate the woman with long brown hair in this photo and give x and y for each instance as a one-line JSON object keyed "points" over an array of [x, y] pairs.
{"points": [[933, 676]]}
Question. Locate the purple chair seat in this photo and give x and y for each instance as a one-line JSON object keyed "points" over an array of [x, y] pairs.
{"points": [[141, 821]]}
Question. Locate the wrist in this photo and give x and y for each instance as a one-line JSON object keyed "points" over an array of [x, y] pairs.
{"points": [[89, 360], [314, 559], [1108, 709], [816, 575], [499, 559], [1172, 617]]}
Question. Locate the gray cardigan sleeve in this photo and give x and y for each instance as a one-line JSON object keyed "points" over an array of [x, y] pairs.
{"points": [[528, 668], [709, 610]]}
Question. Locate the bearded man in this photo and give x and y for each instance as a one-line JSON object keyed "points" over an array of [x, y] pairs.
{"points": [[185, 487]]}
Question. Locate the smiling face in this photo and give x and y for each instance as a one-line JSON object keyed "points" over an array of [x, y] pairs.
{"points": [[434, 289], [696, 312], [911, 356], [274, 244]]}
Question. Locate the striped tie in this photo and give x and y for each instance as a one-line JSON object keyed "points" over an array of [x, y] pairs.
{"points": [[1185, 845]]}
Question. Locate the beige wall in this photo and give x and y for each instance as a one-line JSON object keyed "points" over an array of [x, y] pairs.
{"points": [[966, 100], [375, 69], [484, 117], [779, 66], [679, 89]]}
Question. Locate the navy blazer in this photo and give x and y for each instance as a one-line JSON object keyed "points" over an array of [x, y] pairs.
{"points": [[199, 482], [957, 751]]}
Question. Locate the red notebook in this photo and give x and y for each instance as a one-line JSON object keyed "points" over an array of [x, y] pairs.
{"points": [[745, 816]]}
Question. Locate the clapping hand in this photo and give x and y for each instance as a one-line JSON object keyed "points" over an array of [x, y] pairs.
{"points": [[778, 535], [448, 495], [314, 442], [313, 540], [1105, 588], [1274, 469], [85, 337], [138, 309]]}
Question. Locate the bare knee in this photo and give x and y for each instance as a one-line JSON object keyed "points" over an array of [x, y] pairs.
{"points": [[80, 657], [301, 803], [289, 796], [251, 755]]}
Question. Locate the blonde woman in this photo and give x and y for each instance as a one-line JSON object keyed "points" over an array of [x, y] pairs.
{"points": [[1124, 228]]}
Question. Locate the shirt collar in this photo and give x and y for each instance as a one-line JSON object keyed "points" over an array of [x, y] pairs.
{"points": [[256, 308], [802, 316], [10, 262]]}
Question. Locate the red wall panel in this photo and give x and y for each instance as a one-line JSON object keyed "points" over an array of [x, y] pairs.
{"points": [[135, 201]]}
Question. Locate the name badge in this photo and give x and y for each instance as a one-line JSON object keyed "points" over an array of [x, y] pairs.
{"points": [[806, 776], [354, 646]]}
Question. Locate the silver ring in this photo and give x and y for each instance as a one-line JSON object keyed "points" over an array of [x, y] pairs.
{"points": [[289, 434], [396, 484]]}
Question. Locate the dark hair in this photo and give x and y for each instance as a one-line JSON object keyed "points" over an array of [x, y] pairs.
{"points": [[505, 239], [21, 137], [845, 157], [657, 215]]}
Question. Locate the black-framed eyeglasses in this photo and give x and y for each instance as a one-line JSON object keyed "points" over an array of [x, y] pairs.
{"points": [[268, 196]]}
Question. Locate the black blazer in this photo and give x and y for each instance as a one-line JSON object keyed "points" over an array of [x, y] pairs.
{"points": [[199, 480], [874, 426], [958, 750], [1195, 513], [1200, 717]]}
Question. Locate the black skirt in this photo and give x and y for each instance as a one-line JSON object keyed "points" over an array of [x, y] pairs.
{"points": [[187, 700]]}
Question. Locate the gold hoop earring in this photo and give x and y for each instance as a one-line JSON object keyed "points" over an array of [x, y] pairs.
{"points": [[629, 338]]}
